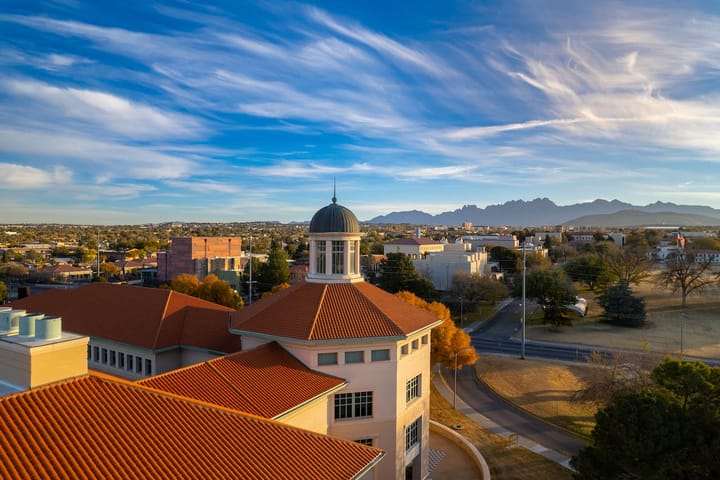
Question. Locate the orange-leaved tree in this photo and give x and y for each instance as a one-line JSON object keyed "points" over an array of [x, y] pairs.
{"points": [[447, 340]]}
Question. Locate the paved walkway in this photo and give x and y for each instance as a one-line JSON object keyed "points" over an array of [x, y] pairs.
{"points": [[488, 424]]}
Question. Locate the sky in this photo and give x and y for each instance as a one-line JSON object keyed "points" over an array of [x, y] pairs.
{"points": [[152, 111]]}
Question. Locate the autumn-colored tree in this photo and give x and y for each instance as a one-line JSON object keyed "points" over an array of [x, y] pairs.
{"points": [[447, 339], [109, 269], [185, 283], [4, 294], [219, 291]]}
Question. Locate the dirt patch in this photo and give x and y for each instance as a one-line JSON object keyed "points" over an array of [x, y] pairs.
{"points": [[542, 388]]}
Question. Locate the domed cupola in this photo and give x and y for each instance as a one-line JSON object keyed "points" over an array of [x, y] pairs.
{"points": [[334, 245], [334, 218]]}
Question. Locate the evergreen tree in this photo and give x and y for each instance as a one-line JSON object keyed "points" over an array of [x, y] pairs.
{"points": [[397, 274], [276, 270], [621, 306]]}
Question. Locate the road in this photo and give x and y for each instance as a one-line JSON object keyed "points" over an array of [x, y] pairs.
{"points": [[483, 400]]}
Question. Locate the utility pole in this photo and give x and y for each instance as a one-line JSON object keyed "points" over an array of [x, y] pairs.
{"points": [[522, 343], [250, 294]]}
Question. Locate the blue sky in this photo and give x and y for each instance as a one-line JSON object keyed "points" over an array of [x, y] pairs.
{"points": [[131, 112]]}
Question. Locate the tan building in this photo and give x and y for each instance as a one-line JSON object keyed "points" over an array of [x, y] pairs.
{"points": [[337, 324], [414, 247]]}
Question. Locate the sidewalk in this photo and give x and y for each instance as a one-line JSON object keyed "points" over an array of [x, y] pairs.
{"points": [[489, 425]]}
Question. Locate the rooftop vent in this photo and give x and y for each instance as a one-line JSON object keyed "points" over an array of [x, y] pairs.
{"points": [[27, 324], [48, 328], [9, 319]]}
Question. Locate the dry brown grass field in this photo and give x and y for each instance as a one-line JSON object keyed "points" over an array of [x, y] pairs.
{"points": [[698, 325]]}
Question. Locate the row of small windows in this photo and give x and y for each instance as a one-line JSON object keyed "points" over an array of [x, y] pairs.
{"points": [[119, 360], [415, 344], [357, 356], [337, 257]]}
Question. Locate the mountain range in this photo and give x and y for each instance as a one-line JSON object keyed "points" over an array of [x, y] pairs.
{"points": [[543, 211]]}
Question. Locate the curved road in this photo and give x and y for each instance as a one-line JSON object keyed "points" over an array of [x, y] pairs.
{"points": [[476, 394]]}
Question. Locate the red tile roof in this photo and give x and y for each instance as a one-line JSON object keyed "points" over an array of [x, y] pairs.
{"points": [[146, 317], [63, 268], [92, 427], [266, 381], [318, 311]]}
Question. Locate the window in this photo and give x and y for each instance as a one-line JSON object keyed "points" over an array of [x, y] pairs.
{"points": [[365, 441], [327, 358], [112, 358], [121, 360], [355, 357], [96, 354], [424, 339], [380, 355], [148, 366], [353, 405], [412, 389], [103, 355], [352, 247], [412, 434], [320, 257], [338, 256], [130, 362], [138, 365], [415, 344], [404, 349]]}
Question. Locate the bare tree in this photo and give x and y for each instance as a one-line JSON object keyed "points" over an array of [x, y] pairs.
{"points": [[685, 272], [630, 265]]}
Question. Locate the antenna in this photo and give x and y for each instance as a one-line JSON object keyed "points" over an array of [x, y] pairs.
{"points": [[334, 199]]}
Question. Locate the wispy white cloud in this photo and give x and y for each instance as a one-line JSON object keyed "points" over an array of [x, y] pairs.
{"points": [[19, 177]]}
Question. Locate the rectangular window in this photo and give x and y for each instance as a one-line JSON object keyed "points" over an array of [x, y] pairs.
{"points": [[130, 362], [412, 434], [103, 356], [412, 389], [424, 339], [352, 246], [355, 357], [404, 349], [121, 360], [338, 256], [365, 441], [112, 358], [327, 358], [138, 365], [353, 405], [320, 257], [415, 344], [380, 355], [96, 354], [148, 366]]}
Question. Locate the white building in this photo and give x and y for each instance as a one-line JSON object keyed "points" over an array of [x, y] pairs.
{"points": [[477, 241], [440, 267], [414, 247]]}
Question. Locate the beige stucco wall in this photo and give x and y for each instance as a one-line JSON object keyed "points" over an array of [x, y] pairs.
{"points": [[313, 417], [26, 365]]}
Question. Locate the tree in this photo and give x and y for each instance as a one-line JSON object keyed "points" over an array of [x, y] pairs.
{"points": [[397, 273], [509, 260], [185, 283], [275, 271], [13, 270], [109, 270], [219, 291], [630, 265], [447, 340], [552, 290], [685, 272], [4, 293], [475, 288], [621, 307], [588, 268], [669, 430]]}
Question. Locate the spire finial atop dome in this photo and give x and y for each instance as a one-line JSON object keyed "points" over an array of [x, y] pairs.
{"points": [[334, 199]]}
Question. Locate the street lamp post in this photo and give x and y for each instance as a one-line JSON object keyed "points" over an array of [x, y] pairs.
{"points": [[522, 342], [462, 317], [455, 375]]}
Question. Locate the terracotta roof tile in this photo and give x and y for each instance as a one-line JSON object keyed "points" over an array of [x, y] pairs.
{"points": [[318, 311], [266, 381], [145, 317], [97, 428]]}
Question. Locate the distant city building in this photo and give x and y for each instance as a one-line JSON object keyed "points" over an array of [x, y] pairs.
{"points": [[62, 273], [478, 241], [413, 247], [199, 256], [440, 267]]}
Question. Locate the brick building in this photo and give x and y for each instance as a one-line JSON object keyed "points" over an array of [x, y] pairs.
{"points": [[199, 256]]}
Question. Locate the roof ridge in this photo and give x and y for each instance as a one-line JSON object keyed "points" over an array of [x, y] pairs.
{"points": [[317, 311], [162, 318], [232, 387]]}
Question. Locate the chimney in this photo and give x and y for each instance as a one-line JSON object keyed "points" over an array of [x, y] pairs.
{"points": [[37, 351], [23, 292]]}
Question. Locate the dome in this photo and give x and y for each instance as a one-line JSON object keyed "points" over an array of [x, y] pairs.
{"points": [[334, 218]]}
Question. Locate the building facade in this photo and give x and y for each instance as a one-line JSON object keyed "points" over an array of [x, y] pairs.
{"points": [[199, 256]]}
